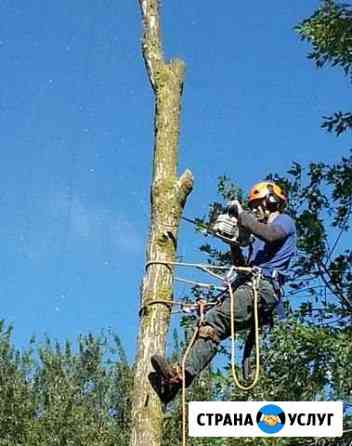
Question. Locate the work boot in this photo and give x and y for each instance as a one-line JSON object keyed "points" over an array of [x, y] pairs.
{"points": [[165, 391], [171, 374], [167, 379]]}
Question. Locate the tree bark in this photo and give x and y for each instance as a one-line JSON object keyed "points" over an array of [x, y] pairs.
{"points": [[168, 197]]}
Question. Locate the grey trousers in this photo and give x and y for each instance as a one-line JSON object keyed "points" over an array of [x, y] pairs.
{"points": [[219, 318]]}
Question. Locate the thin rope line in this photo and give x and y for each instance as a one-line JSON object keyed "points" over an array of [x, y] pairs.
{"points": [[200, 284], [206, 270], [178, 302], [201, 266], [183, 365]]}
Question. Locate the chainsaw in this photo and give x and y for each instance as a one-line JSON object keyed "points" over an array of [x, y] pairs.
{"points": [[225, 227]]}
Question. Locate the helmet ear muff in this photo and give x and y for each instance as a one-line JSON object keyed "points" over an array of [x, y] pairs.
{"points": [[272, 201]]}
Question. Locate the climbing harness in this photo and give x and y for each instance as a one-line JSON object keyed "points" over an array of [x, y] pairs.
{"points": [[200, 305]]}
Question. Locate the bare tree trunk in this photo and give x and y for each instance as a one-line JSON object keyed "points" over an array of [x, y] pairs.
{"points": [[168, 197]]}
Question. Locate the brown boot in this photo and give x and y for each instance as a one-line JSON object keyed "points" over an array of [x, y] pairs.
{"points": [[171, 374], [167, 379]]}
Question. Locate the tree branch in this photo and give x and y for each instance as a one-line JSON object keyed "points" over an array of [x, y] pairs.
{"points": [[184, 186], [334, 288]]}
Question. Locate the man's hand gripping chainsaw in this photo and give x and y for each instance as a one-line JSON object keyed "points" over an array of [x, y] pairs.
{"points": [[227, 228]]}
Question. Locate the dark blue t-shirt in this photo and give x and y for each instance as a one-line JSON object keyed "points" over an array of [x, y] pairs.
{"points": [[275, 256]]}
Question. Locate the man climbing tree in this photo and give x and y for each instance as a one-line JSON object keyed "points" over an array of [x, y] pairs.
{"points": [[271, 250]]}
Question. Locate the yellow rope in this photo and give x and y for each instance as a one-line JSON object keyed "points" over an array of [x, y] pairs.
{"points": [[255, 285]]}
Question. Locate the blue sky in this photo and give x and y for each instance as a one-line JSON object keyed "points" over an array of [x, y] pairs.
{"points": [[76, 118]]}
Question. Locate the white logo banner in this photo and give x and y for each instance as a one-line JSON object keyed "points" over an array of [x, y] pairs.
{"points": [[265, 419]]}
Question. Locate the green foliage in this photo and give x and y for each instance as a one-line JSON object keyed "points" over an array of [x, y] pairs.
{"points": [[329, 31], [54, 396], [16, 405], [339, 122], [307, 357], [321, 203]]}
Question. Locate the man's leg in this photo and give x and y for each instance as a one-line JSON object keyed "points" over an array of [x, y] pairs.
{"points": [[217, 327]]}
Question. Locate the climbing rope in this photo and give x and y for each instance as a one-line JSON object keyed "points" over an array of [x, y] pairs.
{"points": [[210, 286], [183, 366], [183, 305], [255, 286], [201, 305]]}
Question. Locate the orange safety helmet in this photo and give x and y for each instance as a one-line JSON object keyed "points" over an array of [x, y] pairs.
{"points": [[268, 190]]}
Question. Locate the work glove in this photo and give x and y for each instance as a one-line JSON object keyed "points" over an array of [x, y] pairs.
{"points": [[226, 225]]}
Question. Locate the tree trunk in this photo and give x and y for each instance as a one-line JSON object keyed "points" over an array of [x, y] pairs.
{"points": [[168, 197]]}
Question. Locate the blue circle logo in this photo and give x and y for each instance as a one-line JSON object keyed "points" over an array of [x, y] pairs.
{"points": [[271, 419]]}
